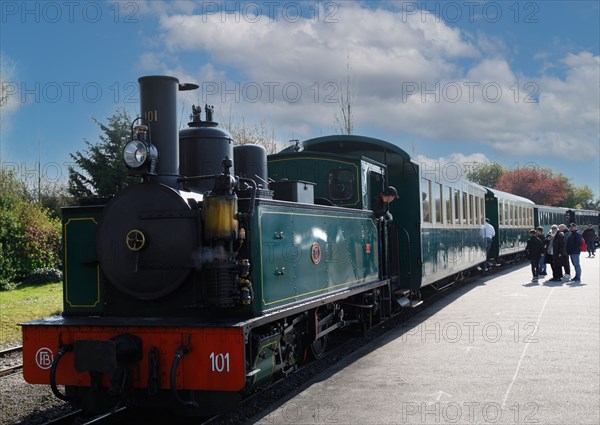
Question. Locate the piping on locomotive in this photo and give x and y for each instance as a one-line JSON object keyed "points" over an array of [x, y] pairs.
{"points": [[223, 267]]}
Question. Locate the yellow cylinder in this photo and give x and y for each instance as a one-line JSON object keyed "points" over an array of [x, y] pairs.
{"points": [[219, 214]]}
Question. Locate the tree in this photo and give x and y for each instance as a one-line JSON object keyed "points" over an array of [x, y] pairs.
{"points": [[592, 205], [257, 134], [539, 185], [54, 195], [347, 120], [100, 169], [486, 174], [578, 197]]}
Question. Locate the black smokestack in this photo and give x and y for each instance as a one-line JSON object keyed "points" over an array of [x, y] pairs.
{"points": [[158, 100]]}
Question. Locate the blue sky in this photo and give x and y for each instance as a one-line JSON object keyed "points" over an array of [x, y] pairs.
{"points": [[484, 81]]}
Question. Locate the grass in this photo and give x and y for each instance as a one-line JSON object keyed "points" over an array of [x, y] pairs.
{"points": [[25, 303]]}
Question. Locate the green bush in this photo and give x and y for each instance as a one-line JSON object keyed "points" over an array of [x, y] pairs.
{"points": [[29, 236], [44, 275], [9, 226], [7, 285], [39, 239]]}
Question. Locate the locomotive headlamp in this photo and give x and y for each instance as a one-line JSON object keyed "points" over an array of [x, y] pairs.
{"points": [[135, 153], [139, 154]]}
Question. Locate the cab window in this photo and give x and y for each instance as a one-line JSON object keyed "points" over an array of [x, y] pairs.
{"points": [[341, 185]]}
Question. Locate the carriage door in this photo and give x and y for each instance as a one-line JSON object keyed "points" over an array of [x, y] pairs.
{"points": [[375, 187]]}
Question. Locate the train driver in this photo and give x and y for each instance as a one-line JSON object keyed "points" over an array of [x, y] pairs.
{"points": [[380, 203]]}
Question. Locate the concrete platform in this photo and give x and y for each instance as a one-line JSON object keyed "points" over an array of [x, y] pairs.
{"points": [[501, 350]]}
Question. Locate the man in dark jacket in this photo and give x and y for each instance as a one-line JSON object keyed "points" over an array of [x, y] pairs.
{"points": [[380, 203], [572, 246], [380, 206], [589, 235], [542, 238], [559, 254], [534, 248]]}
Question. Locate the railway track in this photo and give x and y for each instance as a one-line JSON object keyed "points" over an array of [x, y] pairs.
{"points": [[12, 350], [77, 417], [7, 360], [5, 371]]}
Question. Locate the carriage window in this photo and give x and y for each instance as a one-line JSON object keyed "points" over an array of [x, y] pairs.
{"points": [[500, 212], [521, 215], [465, 208], [456, 206], [448, 202], [481, 210], [506, 215], [341, 185], [426, 200], [476, 210], [472, 210], [437, 195]]}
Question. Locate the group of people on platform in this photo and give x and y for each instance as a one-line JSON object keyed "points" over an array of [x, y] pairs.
{"points": [[556, 248]]}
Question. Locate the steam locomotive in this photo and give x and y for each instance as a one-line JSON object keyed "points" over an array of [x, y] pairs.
{"points": [[223, 267]]}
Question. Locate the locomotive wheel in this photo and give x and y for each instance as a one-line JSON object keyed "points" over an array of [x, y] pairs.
{"points": [[319, 346]]}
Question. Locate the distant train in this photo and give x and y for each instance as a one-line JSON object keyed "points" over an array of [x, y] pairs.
{"points": [[547, 216], [224, 267]]}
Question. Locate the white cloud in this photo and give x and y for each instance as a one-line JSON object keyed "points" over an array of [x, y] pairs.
{"points": [[309, 49], [151, 61], [408, 74], [10, 87]]}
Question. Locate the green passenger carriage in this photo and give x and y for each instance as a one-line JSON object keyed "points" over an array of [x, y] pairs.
{"points": [[512, 217]]}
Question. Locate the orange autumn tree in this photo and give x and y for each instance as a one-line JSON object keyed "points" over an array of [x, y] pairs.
{"points": [[539, 185]]}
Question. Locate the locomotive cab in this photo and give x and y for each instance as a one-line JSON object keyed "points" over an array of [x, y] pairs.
{"points": [[339, 180]]}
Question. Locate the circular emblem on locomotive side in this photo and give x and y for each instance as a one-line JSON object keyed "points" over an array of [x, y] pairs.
{"points": [[44, 358], [135, 240], [315, 253]]}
